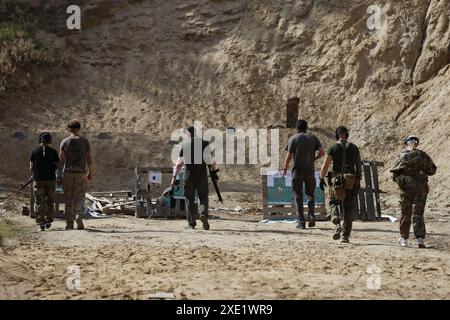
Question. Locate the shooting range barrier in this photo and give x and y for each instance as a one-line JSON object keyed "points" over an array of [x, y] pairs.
{"points": [[368, 203], [170, 203], [279, 203], [278, 197]]}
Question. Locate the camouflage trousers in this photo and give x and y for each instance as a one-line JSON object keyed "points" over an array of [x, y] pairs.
{"points": [[342, 211], [44, 195], [412, 203], [75, 185]]}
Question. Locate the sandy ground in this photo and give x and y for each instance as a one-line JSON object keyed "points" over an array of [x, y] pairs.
{"points": [[122, 257]]}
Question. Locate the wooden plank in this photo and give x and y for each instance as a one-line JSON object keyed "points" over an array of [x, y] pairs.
{"points": [[95, 199], [370, 208], [139, 202], [362, 205], [117, 205], [264, 191], [376, 188], [111, 194], [356, 215], [148, 207]]}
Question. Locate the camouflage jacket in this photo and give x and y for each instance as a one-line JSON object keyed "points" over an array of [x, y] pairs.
{"points": [[414, 163]]}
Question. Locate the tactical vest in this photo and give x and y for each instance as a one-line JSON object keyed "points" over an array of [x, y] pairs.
{"points": [[416, 163]]}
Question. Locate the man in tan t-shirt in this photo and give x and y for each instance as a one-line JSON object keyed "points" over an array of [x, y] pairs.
{"points": [[76, 160]]}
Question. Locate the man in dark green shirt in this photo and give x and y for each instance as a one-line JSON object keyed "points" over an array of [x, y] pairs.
{"points": [[346, 162]]}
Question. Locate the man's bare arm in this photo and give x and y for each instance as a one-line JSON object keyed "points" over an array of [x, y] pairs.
{"points": [[325, 165], [320, 154], [89, 164], [287, 162], [214, 165], [178, 166]]}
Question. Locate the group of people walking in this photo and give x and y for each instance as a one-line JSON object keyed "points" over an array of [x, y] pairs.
{"points": [[72, 169], [410, 172]]}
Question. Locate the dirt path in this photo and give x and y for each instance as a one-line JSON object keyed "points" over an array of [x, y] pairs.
{"points": [[123, 257]]}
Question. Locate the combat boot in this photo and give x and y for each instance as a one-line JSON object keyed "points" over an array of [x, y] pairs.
{"points": [[204, 220], [345, 240], [48, 226], [42, 226], [337, 232], [80, 225], [69, 226], [312, 221]]}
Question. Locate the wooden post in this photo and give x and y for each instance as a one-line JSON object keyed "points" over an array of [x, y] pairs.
{"points": [[376, 187], [264, 195], [362, 205], [356, 212], [369, 191], [148, 207], [139, 203]]}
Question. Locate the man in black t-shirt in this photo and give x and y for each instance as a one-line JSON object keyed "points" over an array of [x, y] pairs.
{"points": [[43, 164], [195, 156]]}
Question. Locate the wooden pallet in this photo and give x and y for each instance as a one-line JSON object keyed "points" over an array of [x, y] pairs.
{"points": [[368, 201]]}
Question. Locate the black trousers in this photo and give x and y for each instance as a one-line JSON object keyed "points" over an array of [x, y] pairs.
{"points": [[302, 178], [195, 182]]}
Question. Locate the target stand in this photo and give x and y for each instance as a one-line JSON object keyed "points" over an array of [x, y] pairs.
{"points": [[278, 198]]}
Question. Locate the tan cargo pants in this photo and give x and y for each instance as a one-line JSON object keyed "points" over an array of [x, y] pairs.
{"points": [[75, 185]]}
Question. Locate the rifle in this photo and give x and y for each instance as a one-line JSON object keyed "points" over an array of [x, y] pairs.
{"points": [[23, 186], [214, 182]]}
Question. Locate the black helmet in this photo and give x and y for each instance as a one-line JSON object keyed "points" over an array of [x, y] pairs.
{"points": [[411, 137], [45, 137]]}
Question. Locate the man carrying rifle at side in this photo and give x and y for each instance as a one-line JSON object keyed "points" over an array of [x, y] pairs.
{"points": [[343, 181], [43, 164], [195, 156]]}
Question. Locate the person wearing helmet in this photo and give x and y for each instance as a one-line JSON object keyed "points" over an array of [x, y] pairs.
{"points": [[411, 173], [43, 164], [76, 161]]}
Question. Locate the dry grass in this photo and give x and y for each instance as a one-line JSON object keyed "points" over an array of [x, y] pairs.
{"points": [[19, 50]]}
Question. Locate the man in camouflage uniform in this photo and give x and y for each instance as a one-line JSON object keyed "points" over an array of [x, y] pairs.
{"points": [[346, 160], [75, 156], [43, 164], [411, 174]]}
